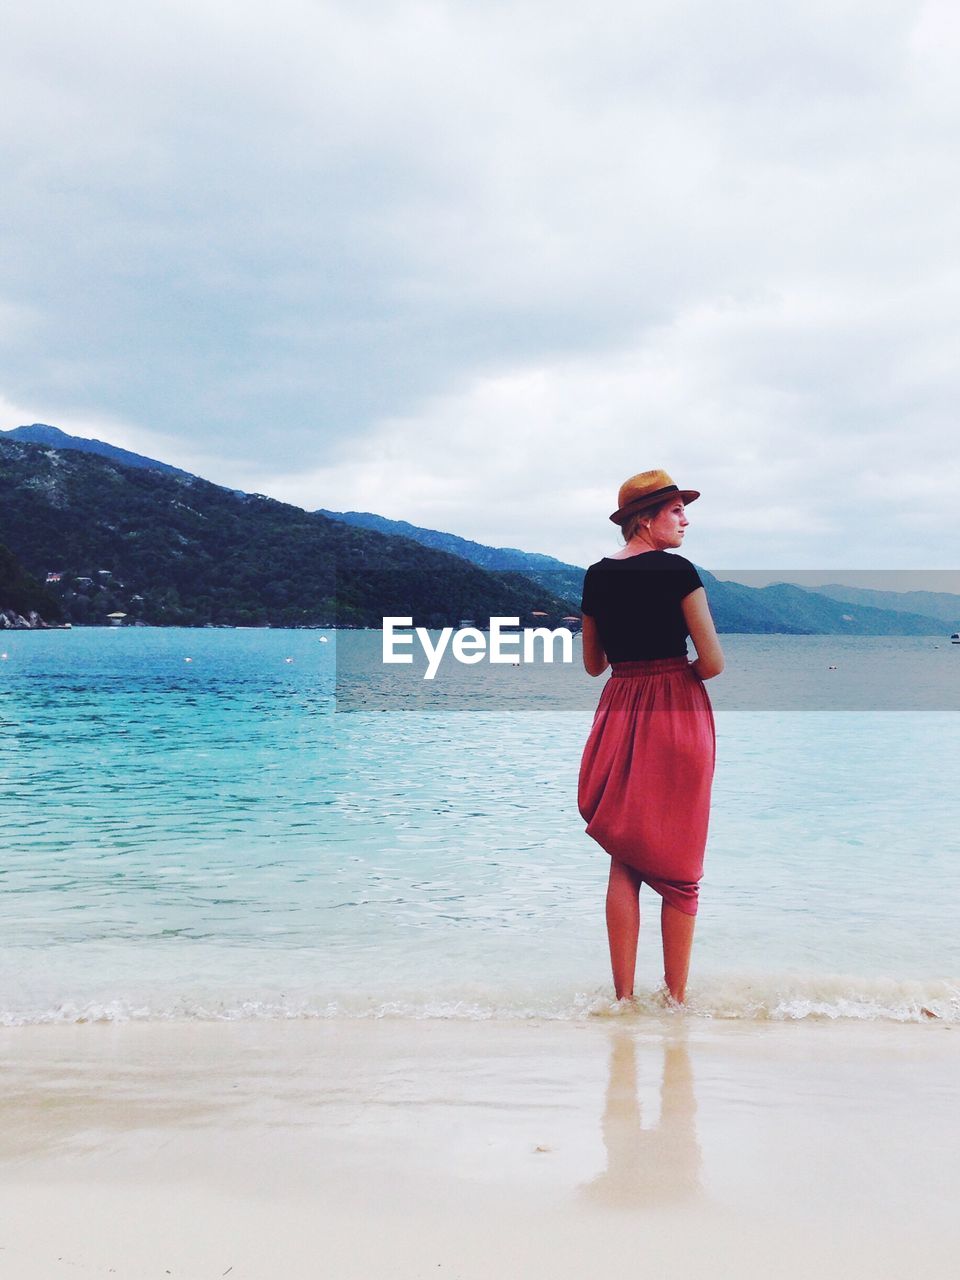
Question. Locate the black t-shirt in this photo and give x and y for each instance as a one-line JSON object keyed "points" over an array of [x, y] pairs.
{"points": [[636, 605]]}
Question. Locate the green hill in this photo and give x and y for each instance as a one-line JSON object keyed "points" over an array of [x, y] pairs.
{"points": [[166, 548]]}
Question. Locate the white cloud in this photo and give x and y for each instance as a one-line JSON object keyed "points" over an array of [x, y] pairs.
{"points": [[473, 265], [794, 471]]}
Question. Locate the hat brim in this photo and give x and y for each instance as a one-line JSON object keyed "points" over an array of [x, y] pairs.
{"points": [[635, 507]]}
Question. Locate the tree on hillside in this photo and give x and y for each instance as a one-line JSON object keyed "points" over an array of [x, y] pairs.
{"points": [[21, 593]]}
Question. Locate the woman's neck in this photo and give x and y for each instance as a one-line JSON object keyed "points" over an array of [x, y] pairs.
{"points": [[636, 547]]}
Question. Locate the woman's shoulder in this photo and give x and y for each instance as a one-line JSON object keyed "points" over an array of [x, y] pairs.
{"points": [[598, 566], [677, 562], [646, 560]]}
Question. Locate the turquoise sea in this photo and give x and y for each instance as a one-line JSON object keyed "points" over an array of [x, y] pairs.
{"points": [[192, 830]]}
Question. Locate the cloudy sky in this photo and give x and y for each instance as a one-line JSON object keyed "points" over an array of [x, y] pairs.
{"points": [[471, 265]]}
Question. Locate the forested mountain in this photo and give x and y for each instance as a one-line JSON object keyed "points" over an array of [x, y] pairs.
{"points": [[555, 575], [174, 549], [162, 546]]}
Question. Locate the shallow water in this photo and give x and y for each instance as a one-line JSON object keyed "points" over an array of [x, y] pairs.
{"points": [[210, 838]]}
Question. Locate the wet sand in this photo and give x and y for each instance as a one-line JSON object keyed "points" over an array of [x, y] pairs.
{"points": [[631, 1146]]}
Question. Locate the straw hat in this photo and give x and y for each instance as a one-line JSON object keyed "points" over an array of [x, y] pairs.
{"points": [[648, 489]]}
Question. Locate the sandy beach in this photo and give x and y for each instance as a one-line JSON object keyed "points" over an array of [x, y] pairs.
{"points": [[626, 1146]]}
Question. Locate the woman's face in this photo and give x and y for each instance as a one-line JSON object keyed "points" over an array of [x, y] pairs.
{"points": [[667, 526]]}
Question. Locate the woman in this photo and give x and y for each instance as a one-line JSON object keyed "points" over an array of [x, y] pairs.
{"points": [[647, 767]]}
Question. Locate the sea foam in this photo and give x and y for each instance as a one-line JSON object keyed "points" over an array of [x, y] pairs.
{"points": [[745, 997]]}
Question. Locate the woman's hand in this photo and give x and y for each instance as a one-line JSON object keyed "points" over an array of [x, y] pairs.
{"points": [[703, 633], [594, 659]]}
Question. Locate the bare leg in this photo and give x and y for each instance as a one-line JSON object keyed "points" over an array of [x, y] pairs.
{"points": [[677, 929], [623, 926]]}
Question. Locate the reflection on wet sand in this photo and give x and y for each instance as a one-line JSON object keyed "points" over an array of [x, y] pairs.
{"points": [[659, 1164]]}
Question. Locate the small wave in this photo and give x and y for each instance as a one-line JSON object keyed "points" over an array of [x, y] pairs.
{"points": [[829, 997], [745, 997]]}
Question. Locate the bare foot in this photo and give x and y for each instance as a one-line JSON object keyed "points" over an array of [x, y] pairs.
{"points": [[621, 1005], [665, 998]]}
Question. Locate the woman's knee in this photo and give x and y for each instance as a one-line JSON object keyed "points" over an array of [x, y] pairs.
{"points": [[624, 877], [681, 895]]}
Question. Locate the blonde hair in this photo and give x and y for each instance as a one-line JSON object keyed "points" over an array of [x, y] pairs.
{"points": [[633, 524]]}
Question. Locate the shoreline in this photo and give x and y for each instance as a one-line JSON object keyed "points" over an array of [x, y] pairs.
{"points": [[713, 997], [477, 1149]]}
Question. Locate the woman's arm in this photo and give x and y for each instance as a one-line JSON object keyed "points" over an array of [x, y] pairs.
{"points": [[594, 659], [703, 633]]}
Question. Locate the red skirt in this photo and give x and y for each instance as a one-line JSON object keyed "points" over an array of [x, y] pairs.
{"points": [[646, 774]]}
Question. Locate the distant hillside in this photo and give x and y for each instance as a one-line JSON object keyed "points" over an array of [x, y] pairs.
{"points": [[793, 610], [554, 575], [40, 433], [173, 549], [933, 604], [780, 609]]}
